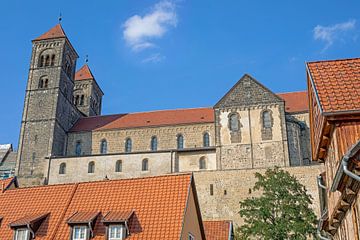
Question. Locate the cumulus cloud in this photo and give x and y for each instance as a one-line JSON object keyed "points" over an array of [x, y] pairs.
{"points": [[140, 31], [330, 34]]}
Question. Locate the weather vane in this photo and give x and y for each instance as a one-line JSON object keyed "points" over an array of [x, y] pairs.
{"points": [[86, 58], [60, 17]]}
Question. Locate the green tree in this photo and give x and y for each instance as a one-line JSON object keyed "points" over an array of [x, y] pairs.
{"points": [[282, 211]]}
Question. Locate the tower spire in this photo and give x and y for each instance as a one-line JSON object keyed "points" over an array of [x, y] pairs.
{"points": [[60, 17]]}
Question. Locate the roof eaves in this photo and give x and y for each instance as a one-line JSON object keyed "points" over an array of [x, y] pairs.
{"points": [[314, 87]]}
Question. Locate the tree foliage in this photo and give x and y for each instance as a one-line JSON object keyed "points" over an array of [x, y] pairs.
{"points": [[282, 211]]}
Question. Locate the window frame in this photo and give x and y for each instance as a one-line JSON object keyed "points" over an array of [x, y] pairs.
{"points": [[27, 234], [206, 139], [266, 119], [122, 231], [180, 141], [128, 145], [62, 168], [202, 160], [78, 148], [118, 166], [145, 165], [154, 143], [91, 167], [79, 227], [103, 146], [233, 121]]}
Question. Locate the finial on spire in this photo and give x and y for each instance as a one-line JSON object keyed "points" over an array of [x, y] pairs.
{"points": [[86, 58], [60, 17]]}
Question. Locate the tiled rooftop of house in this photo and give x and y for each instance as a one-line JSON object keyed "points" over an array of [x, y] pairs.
{"points": [[295, 101], [153, 206], [217, 230], [337, 84]]}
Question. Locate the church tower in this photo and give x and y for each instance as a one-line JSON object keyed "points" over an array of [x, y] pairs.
{"points": [[87, 93], [48, 110]]}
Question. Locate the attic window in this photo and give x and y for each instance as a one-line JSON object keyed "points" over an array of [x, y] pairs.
{"points": [[26, 227], [117, 224], [22, 234], [82, 225]]}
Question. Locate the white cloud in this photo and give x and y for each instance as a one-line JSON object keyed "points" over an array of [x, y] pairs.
{"points": [[329, 34], [157, 57], [139, 31]]}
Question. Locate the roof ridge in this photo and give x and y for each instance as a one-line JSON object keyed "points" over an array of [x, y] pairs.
{"points": [[334, 60], [300, 91]]}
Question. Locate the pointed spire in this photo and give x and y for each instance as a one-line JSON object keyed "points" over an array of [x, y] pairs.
{"points": [[55, 32], [84, 73], [60, 18]]}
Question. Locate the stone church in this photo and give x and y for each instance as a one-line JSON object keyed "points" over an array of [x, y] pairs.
{"points": [[64, 138]]}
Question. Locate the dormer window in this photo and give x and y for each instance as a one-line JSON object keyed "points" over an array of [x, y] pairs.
{"points": [[22, 234], [79, 233], [117, 232], [116, 223]]}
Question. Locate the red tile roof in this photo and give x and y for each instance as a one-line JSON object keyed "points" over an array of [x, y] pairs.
{"points": [[6, 183], [83, 217], [217, 230], [55, 32], [337, 84], [118, 216], [158, 202], [84, 73], [145, 119], [295, 101], [28, 219]]}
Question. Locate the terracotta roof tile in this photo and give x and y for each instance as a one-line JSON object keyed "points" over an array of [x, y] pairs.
{"points": [[295, 101], [55, 32], [158, 203], [83, 217], [84, 73], [337, 83], [145, 119], [28, 219], [6, 183], [217, 230], [118, 216]]}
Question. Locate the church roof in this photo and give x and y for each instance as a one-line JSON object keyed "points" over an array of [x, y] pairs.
{"points": [[84, 73], [145, 119], [295, 101], [337, 84], [55, 32]]}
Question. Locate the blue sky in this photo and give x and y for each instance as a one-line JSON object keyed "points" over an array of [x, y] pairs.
{"points": [[150, 55]]}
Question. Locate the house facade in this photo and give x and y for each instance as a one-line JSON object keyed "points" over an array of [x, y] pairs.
{"points": [[334, 89]]}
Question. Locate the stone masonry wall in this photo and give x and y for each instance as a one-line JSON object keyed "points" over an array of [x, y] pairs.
{"points": [[232, 186]]}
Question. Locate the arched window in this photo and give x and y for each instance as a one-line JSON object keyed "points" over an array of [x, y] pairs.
{"points": [[52, 63], [118, 166], [82, 100], [145, 165], [91, 167], [234, 122], [266, 118], [46, 83], [180, 141], [41, 61], [78, 148], [62, 168], [41, 83], [47, 60], [153, 143], [103, 146], [206, 139], [77, 100], [128, 145], [202, 163]]}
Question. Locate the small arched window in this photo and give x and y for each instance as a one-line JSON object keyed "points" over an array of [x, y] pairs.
{"points": [[41, 61], [47, 60], [206, 139], [234, 122], [128, 145], [41, 83], [91, 167], [82, 100], [153, 143], [52, 63], [180, 141], [103, 146], [118, 166], [46, 83], [78, 148], [202, 163], [266, 118], [62, 168], [145, 165], [77, 100]]}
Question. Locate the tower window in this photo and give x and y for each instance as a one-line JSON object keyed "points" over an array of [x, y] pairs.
{"points": [[234, 122], [202, 163], [47, 60], [91, 167], [82, 100], [62, 168], [266, 118], [77, 100], [46, 83], [206, 140], [52, 63], [118, 166], [103, 146], [153, 143], [128, 145], [41, 83], [145, 165], [78, 148], [180, 141], [41, 61]]}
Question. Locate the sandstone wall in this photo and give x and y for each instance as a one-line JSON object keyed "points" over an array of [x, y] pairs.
{"points": [[232, 186]]}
